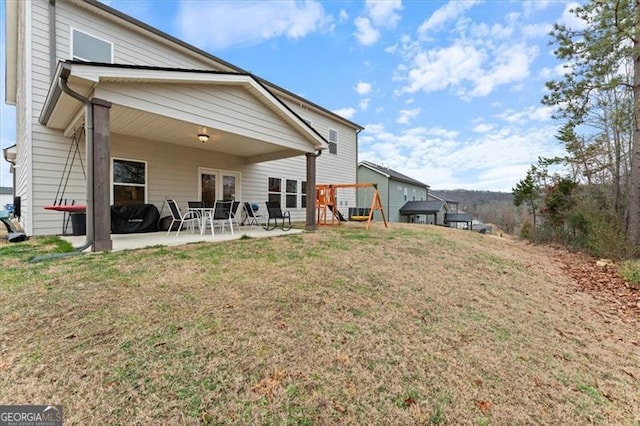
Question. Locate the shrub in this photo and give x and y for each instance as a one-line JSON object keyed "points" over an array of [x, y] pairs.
{"points": [[526, 231], [630, 272]]}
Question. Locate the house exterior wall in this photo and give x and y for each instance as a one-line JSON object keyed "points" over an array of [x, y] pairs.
{"points": [[399, 194], [131, 45], [364, 195], [331, 168], [23, 116], [42, 151]]}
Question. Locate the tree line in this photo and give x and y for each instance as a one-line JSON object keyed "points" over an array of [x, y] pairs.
{"points": [[594, 204]]}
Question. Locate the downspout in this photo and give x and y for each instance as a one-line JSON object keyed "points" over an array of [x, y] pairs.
{"points": [[357, 162], [52, 38], [62, 83]]}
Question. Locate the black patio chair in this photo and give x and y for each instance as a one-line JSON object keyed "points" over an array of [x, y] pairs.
{"points": [[222, 214], [275, 213], [250, 215], [181, 219]]}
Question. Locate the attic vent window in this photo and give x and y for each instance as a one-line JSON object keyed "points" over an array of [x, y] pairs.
{"points": [[85, 47]]}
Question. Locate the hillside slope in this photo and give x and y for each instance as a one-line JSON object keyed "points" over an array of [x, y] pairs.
{"points": [[413, 324]]}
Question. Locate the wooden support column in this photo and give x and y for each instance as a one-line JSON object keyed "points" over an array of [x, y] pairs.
{"points": [[98, 199], [310, 224]]}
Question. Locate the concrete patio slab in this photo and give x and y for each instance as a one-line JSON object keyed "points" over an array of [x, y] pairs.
{"points": [[138, 241]]}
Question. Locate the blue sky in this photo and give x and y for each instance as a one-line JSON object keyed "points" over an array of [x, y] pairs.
{"points": [[448, 92]]}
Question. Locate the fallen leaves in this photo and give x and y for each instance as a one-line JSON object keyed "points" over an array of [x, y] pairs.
{"points": [[483, 406], [600, 278]]}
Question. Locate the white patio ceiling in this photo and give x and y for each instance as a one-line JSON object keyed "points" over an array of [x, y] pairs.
{"points": [[63, 112]]}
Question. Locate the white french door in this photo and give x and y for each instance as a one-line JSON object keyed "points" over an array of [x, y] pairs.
{"points": [[216, 184]]}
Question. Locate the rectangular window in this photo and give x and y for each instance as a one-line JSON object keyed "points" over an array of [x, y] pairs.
{"points": [[275, 190], [303, 195], [333, 141], [85, 47], [129, 182], [292, 194]]}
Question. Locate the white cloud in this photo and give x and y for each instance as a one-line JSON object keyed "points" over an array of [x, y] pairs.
{"points": [[364, 104], [448, 12], [569, 19], [377, 14], [473, 70], [343, 16], [532, 113], [406, 115], [383, 13], [435, 69], [492, 160], [365, 33], [558, 71], [363, 88], [510, 64], [347, 113], [531, 6], [482, 128], [200, 23], [536, 30]]}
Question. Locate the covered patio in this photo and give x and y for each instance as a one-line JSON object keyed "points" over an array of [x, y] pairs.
{"points": [[122, 242], [412, 209], [132, 109]]}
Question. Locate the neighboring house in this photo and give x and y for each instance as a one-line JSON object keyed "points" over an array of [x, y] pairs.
{"points": [[395, 190], [427, 212], [451, 217], [164, 119]]}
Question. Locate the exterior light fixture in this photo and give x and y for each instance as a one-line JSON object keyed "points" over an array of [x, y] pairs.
{"points": [[202, 135]]}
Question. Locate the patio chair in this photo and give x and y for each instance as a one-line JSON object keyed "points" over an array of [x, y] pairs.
{"points": [[250, 215], [234, 212], [200, 210], [189, 218], [222, 215], [275, 213]]}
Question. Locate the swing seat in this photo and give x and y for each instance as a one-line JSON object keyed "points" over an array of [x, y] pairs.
{"points": [[68, 209], [359, 218]]}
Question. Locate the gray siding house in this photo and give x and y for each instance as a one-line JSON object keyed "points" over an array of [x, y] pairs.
{"points": [[154, 118], [396, 189]]}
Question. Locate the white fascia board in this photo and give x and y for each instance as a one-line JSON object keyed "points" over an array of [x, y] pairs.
{"points": [[373, 169], [11, 51]]}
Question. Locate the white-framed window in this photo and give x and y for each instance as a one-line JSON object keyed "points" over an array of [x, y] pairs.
{"points": [[129, 182], [89, 48], [405, 194], [303, 194], [414, 195], [333, 141], [291, 194], [275, 190]]}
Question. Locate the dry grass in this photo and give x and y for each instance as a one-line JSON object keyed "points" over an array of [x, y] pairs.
{"points": [[410, 325]]}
